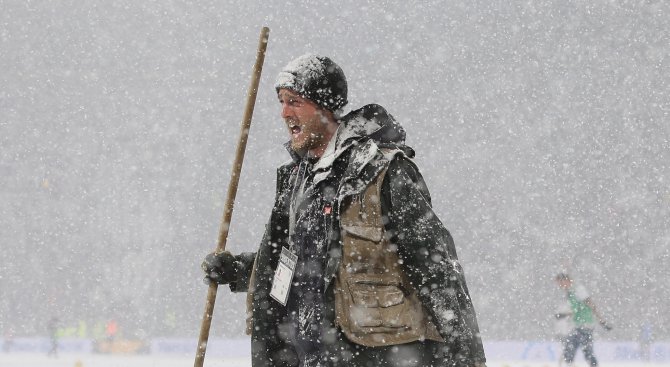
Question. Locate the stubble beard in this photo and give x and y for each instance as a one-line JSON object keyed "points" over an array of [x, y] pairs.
{"points": [[309, 138]]}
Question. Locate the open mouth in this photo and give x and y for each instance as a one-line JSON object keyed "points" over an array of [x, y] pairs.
{"points": [[295, 130]]}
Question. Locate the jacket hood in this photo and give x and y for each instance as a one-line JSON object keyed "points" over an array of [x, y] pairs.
{"points": [[370, 122], [374, 122]]}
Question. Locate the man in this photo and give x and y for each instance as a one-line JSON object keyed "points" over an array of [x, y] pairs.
{"points": [[354, 268], [52, 327], [583, 312]]}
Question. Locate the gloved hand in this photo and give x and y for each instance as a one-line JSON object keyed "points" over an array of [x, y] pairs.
{"points": [[605, 325], [219, 267]]}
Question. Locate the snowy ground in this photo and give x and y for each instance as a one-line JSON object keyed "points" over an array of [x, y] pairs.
{"points": [[93, 360]]}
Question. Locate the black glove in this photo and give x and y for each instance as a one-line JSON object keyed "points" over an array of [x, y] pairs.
{"points": [[606, 326], [219, 267]]}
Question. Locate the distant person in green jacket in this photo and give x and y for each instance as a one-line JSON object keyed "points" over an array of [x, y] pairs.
{"points": [[52, 327], [584, 314]]}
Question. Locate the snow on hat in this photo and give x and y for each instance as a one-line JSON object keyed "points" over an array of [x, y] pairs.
{"points": [[316, 78]]}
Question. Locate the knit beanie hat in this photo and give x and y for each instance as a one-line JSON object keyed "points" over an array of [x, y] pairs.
{"points": [[316, 78]]}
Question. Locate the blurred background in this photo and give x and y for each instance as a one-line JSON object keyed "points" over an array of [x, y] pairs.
{"points": [[542, 129]]}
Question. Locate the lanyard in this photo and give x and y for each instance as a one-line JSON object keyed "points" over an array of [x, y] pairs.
{"points": [[297, 193]]}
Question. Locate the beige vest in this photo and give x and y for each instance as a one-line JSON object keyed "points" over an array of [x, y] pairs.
{"points": [[375, 303]]}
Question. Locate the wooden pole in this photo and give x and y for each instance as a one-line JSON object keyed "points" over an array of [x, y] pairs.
{"points": [[232, 191]]}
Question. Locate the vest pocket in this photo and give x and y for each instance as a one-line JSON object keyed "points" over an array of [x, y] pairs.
{"points": [[376, 302], [362, 250], [370, 233]]}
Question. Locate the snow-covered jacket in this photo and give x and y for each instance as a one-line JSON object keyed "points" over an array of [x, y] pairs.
{"points": [[368, 142]]}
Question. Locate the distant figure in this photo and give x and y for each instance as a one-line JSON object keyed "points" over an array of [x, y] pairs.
{"points": [[9, 340], [646, 337], [563, 326], [52, 328], [111, 330], [583, 313]]}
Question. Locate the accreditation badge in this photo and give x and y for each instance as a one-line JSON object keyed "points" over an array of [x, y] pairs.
{"points": [[281, 284]]}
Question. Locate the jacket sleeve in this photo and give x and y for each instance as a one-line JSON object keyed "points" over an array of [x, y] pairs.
{"points": [[429, 258], [245, 261]]}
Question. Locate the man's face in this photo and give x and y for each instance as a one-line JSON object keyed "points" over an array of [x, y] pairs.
{"points": [[305, 121], [564, 283]]}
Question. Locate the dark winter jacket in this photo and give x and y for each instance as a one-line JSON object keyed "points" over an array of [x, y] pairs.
{"points": [[368, 141]]}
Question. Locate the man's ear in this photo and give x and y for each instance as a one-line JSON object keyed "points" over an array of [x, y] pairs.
{"points": [[327, 115]]}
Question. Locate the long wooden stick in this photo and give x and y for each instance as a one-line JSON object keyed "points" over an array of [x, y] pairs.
{"points": [[232, 191]]}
